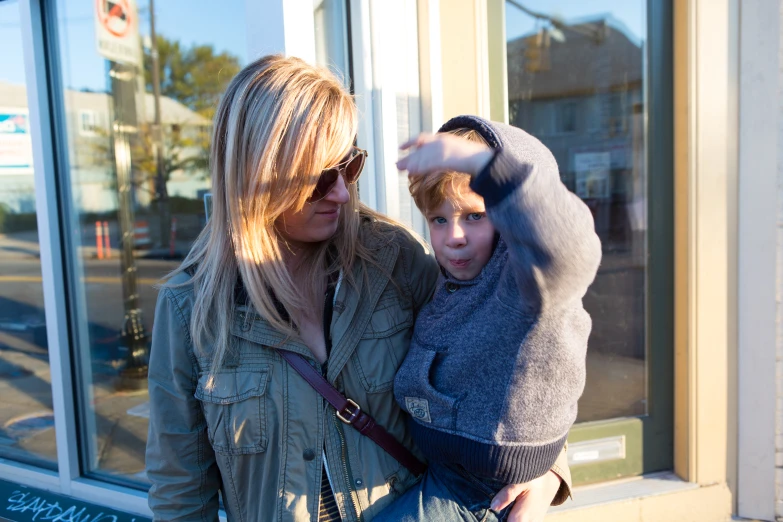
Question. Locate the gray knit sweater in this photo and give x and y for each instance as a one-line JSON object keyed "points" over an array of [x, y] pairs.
{"points": [[497, 363]]}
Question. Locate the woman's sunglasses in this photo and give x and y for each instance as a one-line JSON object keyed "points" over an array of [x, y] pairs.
{"points": [[350, 169]]}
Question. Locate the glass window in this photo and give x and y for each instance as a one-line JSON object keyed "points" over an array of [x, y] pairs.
{"points": [[26, 418], [331, 36], [138, 109], [576, 80], [565, 117], [87, 125]]}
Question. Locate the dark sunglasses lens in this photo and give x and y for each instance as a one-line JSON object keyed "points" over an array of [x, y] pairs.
{"points": [[354, 168], [324, 184]]}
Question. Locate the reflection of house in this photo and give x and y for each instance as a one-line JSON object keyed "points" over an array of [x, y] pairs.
{"points": [[91, 166], [579, 90]]}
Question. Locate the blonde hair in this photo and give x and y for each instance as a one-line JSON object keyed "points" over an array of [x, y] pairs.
{"points": [[280, 122], [429, 192]]}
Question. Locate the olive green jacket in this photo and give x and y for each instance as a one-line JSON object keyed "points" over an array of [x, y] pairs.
{"points": [[258, 435]]}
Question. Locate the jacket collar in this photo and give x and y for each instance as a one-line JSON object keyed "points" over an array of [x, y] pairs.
{"points": [[354, 306]]}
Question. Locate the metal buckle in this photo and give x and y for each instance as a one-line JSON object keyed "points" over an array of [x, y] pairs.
{"points": [[354, 414]]}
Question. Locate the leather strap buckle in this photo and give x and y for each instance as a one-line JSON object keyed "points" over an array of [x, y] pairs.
{"points": [[353, 415]]}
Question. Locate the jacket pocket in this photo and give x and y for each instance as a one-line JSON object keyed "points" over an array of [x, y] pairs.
{"points": [[384, 343], [235, 410]]}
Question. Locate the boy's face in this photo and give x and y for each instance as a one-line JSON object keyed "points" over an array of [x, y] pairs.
{"points": [[462, 237]]}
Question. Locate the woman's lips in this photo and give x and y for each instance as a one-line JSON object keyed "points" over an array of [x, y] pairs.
{"points": [[332, 213], [459, 263]]}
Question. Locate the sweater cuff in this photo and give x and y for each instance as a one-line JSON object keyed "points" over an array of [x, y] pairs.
{"points": [[496, 180]]}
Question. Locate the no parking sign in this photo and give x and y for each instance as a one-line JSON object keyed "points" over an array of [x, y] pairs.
{"points": [[117, 31]]}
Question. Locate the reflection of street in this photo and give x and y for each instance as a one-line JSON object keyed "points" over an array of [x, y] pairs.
{"points": [[616, 370], [26, 429], [25, 380]]}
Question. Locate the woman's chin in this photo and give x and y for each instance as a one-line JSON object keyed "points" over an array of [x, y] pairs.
{"points": [[323, 233]]}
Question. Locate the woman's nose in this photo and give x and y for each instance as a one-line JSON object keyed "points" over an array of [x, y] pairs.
{"points": [[339, 193]]}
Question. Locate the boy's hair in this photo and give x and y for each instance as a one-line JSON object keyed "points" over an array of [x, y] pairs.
{"points": [[429, 192]]}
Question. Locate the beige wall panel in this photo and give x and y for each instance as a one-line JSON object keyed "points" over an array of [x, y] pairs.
{"points": [[704, 36], [496, 45], [682, 365], [464, 50], [710, 240]]}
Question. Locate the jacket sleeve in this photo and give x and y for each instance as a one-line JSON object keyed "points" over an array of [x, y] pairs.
{"points": [[554, 251], [180, 461], [562, 470]]}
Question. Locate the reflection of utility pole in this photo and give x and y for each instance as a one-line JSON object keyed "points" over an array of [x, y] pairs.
{"points": [[161, 191], [124, 130]]}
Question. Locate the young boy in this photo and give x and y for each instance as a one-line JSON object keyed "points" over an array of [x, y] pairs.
{"points": [[497, 360]]}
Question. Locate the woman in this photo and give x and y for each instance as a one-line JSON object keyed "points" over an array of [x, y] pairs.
{"points": [[290, 260]]}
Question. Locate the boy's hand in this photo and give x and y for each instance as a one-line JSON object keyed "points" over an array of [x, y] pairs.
{"points": [[531, 499], [438, 152]]}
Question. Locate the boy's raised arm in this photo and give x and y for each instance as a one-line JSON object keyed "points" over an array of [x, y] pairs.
{"points": [[553, 248]]}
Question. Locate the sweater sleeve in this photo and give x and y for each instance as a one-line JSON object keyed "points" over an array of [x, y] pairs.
{"points": [[554, 251]]}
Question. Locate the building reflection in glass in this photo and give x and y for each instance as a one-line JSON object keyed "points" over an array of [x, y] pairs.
{"points": [[578, 86]]}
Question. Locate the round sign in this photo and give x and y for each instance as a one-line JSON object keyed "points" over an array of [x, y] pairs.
{"points": [[115, 16]]}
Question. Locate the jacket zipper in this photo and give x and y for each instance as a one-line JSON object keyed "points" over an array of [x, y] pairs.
{"points": [[346, 468], [343, 447]]}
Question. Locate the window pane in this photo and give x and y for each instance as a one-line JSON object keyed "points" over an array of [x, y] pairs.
{"points": [[576, 81], [137, 173], [331, 36], [26, 418]]}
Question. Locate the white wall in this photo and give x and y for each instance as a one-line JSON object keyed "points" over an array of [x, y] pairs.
{"points": [[760, 247], [779, 292]]}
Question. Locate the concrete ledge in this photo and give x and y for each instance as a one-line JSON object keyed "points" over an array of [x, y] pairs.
{"points": [[646, 499]]}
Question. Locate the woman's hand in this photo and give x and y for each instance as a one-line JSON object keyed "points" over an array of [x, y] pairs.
{"points": [[438, 152], [531, 499]]}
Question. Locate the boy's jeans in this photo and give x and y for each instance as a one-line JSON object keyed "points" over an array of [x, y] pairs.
{"points": [[446, 493]]}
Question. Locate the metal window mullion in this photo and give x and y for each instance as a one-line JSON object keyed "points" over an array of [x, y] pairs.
{"points": [[29, 475], [430, 69], [121, 498], [430, 77], [361, 53], [382, 18], [50, 239]]}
